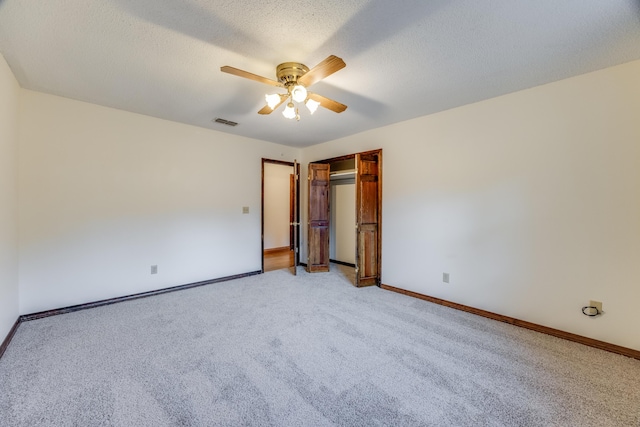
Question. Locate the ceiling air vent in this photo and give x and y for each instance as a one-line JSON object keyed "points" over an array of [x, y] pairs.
{"points": [[224, 122]]}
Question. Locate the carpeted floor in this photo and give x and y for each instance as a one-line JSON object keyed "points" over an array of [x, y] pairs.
{"points": [[310, 350]]}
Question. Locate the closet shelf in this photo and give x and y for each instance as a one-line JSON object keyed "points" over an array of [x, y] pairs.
{"points": [[343, 174]]}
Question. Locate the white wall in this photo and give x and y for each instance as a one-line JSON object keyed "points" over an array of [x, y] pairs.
{"points": [[9, 103], [530, 201], [276, 205], [342, 238], [105, 194]]}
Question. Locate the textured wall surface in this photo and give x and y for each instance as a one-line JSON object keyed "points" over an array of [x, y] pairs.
{"points": [[276, 205], [342, 240], [105, 194], [9, 100]]}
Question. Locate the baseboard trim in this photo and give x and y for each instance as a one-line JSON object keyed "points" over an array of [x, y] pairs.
{"points": [[348, 264], [613, 348], [70, 309], [9, 337], [304, 264]]}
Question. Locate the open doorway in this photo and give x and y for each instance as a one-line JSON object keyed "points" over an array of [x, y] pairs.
{"points": [[280, 228], [345, 210], [342, 202]]}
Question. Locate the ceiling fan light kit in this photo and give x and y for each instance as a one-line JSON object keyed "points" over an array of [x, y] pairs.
{"points": [[296, 77]]}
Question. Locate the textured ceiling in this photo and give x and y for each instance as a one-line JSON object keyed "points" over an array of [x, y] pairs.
{"points": [[405, 58]]}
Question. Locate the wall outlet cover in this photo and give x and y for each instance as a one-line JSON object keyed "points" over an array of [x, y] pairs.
{"points": [[445, 277]]}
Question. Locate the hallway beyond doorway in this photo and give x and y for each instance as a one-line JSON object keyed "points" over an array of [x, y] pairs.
{"points": [[277, 258]]}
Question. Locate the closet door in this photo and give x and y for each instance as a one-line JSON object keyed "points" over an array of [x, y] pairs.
{"points": [[368, 194], [318, 226]]}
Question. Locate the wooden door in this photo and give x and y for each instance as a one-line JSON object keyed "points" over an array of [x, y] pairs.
{"points": [[294, 224], [368, 195], [318, 226]]}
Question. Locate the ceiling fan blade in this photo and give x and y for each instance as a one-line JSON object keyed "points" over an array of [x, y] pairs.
{"points": [[322, 70], [267, 110], [327, 103], [251, 76]]}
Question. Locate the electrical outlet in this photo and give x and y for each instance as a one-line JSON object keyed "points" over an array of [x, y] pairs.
{"points": [[245, 209], [445, 277], [596, 304], [154, 269]]}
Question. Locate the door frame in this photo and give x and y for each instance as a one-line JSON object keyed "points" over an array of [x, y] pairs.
{"points": [[295, 167], [377, 152]]}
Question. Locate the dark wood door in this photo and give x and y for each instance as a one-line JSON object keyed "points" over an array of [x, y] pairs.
{"points": [[294, 224], [318, 226], [368, 197]]}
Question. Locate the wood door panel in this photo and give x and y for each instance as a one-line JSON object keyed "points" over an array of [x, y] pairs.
{"points": [[368, 218], [368, 266], [369, 192], [368, 164], [318, 258], [320, 210], [318, 227]]}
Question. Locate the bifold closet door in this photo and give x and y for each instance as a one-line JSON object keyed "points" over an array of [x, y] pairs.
{"points": [[318, 225], [368, 194]]}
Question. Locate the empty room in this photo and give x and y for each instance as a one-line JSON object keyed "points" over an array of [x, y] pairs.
{"points": [[316, 213]]}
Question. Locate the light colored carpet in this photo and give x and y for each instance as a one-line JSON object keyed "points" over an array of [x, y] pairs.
{"points": [[310, 350]]}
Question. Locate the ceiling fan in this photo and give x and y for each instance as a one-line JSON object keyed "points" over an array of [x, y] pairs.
{"points": [[296, 77]]}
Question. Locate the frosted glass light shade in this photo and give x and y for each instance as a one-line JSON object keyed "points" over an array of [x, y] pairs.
{"points": [[299, 93], [312, 105], [289, 112]]}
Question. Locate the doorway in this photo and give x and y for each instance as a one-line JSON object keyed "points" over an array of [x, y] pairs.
{"points": [[342, 200], [331, 181], [280, 215]]}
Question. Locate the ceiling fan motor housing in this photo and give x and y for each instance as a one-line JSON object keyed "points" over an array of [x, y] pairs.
{"points": [[288, 73]]}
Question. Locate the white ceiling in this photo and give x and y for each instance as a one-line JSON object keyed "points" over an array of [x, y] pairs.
{"points": [[405, 58]]}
